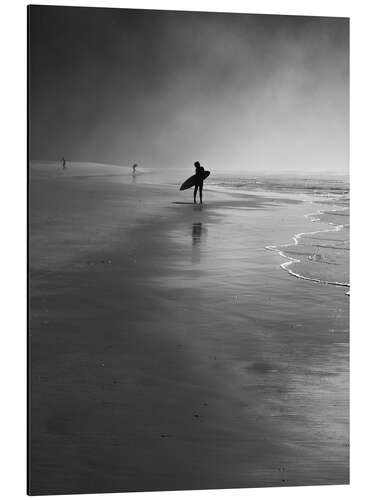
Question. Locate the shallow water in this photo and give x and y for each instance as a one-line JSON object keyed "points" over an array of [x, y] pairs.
{"points": [[320, 255], [321, 252]]}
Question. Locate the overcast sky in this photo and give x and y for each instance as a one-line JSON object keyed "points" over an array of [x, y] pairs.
{"points": [[237, 92]]}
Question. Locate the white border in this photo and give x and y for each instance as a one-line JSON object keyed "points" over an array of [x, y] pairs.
{"points": [[13, 242]]}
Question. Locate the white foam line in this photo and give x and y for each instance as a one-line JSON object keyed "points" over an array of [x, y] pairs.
{"points": [[296, 237]]}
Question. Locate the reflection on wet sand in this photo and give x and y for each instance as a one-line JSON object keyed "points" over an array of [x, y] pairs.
{"points": [[198, 233]]}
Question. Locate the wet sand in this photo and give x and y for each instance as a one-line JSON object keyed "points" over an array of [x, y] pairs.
{"points": [[168, 350]]}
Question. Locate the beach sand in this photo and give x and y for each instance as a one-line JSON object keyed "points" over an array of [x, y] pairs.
{"points": [[168, 349]]}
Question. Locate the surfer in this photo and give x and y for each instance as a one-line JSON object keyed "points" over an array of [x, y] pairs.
{"points": [[199, 178], [63, 163], [134, 167]]}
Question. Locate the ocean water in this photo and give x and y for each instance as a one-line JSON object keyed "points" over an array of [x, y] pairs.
{"points": [[327, 185], [321, 252]]}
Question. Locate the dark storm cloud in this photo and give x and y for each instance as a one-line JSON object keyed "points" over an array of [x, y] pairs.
{"points": [[165, 88]]}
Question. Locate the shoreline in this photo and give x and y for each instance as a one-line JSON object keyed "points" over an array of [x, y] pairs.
{"points": [[296, 237]]}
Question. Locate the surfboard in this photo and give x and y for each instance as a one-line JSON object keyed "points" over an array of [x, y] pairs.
{"points": [[191, 181]]}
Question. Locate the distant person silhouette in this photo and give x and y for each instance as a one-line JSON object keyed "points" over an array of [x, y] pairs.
{"points": [[134, 167], [63, 163], [199, 172]]}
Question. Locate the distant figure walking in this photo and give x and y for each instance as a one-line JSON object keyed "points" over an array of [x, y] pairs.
{"points": [[199, 173], [63, 163], [134, 167]]}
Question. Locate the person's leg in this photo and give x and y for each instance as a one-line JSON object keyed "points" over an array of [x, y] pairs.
{"points": [[195, 193], [200, 190]]}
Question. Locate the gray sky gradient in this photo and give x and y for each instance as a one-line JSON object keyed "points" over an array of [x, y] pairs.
{"points": [[237, 92]]}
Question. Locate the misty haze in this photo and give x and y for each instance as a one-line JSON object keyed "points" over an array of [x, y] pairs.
{"points": [[242, 92]]}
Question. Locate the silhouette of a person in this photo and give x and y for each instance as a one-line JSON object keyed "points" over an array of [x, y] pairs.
{"points": [[63, 163], [134, 167], [199, 173]]}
